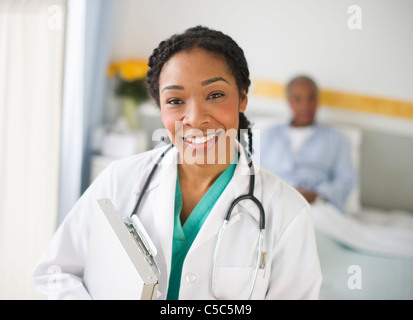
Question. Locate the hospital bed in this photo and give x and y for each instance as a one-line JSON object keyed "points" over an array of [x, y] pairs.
{"points": [[367, 253], [354, 272], [381, 277]]}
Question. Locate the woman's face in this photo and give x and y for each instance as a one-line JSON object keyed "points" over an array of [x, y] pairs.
{"points": [[200, 105]]}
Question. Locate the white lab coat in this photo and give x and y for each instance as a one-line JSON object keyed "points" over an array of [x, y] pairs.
{"points": [[292, 269]]}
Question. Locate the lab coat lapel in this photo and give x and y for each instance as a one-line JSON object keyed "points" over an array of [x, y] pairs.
{"points": [[163, 208], [239, 185]]}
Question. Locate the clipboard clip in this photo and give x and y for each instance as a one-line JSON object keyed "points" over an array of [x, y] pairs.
{"points": [[142, 244], [142, 239]]}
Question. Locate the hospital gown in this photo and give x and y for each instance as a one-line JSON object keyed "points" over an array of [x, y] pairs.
{"points": [[322, 164]]}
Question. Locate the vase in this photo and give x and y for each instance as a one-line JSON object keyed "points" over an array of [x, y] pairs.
{"points": [[131, 113]]}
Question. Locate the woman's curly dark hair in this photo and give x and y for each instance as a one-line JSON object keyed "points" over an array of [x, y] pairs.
{"points": [[212, 41]]}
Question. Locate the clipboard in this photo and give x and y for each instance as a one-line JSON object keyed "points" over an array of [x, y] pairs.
{"points": [[120, 263]]}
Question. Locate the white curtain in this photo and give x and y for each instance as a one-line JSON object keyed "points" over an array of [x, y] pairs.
{"points": [[31, 69], [88, 30]]}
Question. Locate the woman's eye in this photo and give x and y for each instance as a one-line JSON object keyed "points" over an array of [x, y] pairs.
{"points": [[174, 101], [215, 95]]}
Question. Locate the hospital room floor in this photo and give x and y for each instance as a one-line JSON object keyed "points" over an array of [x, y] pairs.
{"points": [[380, 277]]}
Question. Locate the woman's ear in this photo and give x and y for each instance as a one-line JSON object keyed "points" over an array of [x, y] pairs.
{"points": [[243, 101]]}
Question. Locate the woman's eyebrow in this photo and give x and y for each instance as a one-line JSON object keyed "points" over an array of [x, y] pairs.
{"points": [[203, 83], [173, 87], [209, 81]]}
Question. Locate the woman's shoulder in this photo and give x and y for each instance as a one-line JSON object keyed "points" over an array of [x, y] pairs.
{"points": [[136, 162], [284, 207]]}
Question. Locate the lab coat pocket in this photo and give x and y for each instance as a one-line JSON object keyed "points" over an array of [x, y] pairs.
{"points": [[235, 283]]}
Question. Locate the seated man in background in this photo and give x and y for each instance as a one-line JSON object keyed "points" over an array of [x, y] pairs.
{"points": [[313, 158]]}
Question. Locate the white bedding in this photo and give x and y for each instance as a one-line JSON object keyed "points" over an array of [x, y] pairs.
{"points": [[376, 244], [376, 231]]}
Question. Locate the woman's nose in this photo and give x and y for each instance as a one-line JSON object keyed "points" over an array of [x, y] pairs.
{"points": [[196, 114]]}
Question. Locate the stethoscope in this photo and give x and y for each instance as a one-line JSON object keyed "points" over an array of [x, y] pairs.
{"points": [[248, 196]]}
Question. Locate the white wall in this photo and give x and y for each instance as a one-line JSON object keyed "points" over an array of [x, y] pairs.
{"points": [[281, 38]]}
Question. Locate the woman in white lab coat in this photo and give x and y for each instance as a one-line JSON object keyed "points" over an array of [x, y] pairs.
{"points": [[200, 81]]}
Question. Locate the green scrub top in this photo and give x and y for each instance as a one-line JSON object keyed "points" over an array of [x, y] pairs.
{"points": [[184, 236]]}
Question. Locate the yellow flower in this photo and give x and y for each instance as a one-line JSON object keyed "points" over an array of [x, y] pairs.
{"points": [[129, 70], [112, 69]]}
